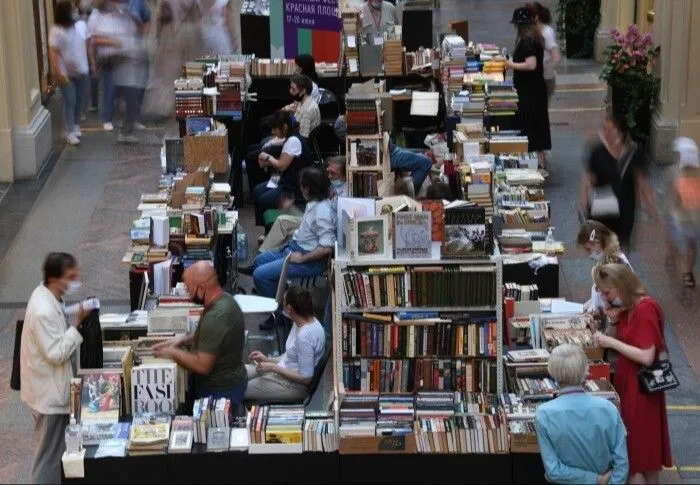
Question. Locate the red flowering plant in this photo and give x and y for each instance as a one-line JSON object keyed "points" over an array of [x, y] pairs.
{"points": [[628, 71]]}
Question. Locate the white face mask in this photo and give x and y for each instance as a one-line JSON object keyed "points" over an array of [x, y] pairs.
{"points": [[616, 303], [73, 288]]}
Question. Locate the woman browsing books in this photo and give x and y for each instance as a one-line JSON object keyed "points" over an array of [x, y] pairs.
{"points": [[638, 339], [602, 246], [286, 378]]}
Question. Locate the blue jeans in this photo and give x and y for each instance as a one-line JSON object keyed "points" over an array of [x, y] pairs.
{"points": [[406, 160], [268, 268], [235, 395], [73, 94], [109, 94]]}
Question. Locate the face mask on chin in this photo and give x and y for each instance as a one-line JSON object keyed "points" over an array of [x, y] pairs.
{"points": [[338, 185], [596, 256], [616, 303], [196, 299]]}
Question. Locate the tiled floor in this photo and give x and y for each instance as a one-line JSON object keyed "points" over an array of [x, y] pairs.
{"points": [[87, 198]]}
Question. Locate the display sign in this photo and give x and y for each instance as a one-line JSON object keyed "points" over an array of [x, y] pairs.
{"points": [[307, 27]]}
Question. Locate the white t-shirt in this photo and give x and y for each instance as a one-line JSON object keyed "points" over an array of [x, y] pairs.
{"points": [[304, 348], [550, 42], [315, 92], [112, 25], [598, 303], [292, 146], [70, 43]]}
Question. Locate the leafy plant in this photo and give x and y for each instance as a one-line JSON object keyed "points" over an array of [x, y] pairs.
{"points": [[628, 71], [578, 18]]}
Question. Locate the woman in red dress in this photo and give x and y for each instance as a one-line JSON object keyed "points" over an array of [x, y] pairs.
{"points": [[638, 339]]}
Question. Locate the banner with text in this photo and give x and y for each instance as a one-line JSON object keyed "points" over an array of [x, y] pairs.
{"points": [[312, 27]]}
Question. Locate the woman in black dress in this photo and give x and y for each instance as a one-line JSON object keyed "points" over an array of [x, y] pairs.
{"points": [[616, 163], [528, 79]]}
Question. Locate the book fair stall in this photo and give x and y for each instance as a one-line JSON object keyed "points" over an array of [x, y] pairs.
{"points": [[443, 312]]}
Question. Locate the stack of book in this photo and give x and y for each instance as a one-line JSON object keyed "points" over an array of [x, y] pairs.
{"points": [[488, 51], [193, 70], [273, 67], [320, 432], [149, 435], [502, 99], [395, 415], [229, 101], [219, 193], [479, 189], [434, 404], [467, 433], [276, 424], [521, 292], [522, 176], [188, 97], [358, 415], [361, 116], [515, 241], [209, 413], [393, 58], [195, 198]]}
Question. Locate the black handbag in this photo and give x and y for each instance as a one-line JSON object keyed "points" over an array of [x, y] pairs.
{"points": [[658, 377], [14, 376]]}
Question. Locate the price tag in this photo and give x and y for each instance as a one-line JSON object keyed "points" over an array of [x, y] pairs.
{"points": [[378, 40], [352, 63], [352, 41]]}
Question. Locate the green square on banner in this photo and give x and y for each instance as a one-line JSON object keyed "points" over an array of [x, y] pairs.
{"points": [[304, 41], [276, 29]]}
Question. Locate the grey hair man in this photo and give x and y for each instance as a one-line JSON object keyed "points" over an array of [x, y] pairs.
{"points": [[581, 437]]}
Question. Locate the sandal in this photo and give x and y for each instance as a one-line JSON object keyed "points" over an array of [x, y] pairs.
{"points": [[688, 280]]}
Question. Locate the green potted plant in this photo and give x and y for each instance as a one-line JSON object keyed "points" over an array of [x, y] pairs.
{"points": [[634, 88], [577, 22]]}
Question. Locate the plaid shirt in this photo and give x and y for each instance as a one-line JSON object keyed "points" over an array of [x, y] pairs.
{"points": [[308, 116]]}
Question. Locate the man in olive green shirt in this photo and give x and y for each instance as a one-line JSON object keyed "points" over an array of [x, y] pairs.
{"points": [[216, 356]]}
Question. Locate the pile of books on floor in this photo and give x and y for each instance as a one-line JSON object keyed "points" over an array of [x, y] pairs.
{"points": [[149, 434], [276, 424]]}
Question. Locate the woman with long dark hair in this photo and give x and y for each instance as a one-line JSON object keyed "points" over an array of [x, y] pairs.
{"points": [[528, 78]]}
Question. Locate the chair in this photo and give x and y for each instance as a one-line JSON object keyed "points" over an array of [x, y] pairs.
{"points": [[313, 141], [328, 106], [253, 304]]}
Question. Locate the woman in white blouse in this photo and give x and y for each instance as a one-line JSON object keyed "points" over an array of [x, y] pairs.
{"points": [[286, 378], [602, 246]]}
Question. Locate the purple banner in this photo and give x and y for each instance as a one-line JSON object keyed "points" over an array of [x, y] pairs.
{"points": [[311, 14]]}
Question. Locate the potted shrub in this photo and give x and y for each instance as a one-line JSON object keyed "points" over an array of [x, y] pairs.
{"points": [[634, 88], [577, 22]]}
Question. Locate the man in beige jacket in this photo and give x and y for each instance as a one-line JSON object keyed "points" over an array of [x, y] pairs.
{"points": [[49, 342]]}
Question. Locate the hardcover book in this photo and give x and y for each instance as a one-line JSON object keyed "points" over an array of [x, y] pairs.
{"points": [[154, 388], [101, 396]]}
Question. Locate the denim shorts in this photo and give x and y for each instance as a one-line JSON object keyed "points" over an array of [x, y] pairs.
{"points": [[684, 236]]}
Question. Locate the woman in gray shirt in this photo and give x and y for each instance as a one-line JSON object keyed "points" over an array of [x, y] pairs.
{"points": [[286, 378]]}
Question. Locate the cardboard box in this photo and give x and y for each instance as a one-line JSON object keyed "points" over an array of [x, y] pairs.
{"points": [[524, 443], [373, 445], [206, 150]]}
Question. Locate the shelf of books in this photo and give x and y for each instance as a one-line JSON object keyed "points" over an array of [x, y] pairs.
{"points": [[412, 340]]}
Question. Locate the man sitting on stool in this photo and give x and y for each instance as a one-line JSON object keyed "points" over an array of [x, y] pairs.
{"points": [[216, 358], [286, 378], [311, 244]]}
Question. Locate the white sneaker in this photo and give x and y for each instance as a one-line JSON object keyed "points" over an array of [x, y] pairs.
{"points": [[130, 139], [71, 139], [139, 126], [77, 132], [108, 126]]}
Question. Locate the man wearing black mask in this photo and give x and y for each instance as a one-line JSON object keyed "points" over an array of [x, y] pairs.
{"points": [[216, 355], [305, 109]]}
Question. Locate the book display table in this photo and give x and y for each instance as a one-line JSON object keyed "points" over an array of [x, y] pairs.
{"points": [[313, 468]]}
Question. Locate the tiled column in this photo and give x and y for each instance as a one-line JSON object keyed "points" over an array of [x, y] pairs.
{"points": [[29, 122], [677, 30]]}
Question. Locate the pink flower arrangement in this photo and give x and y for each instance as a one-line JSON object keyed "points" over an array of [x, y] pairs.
{"points": [[631, 50]]}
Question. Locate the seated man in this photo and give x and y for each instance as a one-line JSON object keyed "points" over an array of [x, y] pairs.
{"points": [[581, 437], [311, 244], [408, 161], [286, 378], [305, 109], [286, 222], [216, 357]]}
